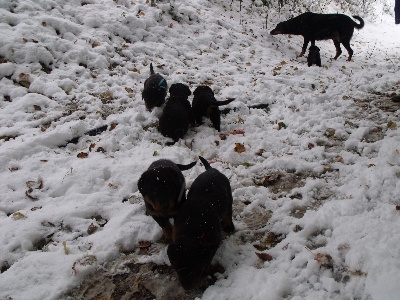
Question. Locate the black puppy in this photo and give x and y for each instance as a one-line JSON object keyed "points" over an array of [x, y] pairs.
{"points": [[155, 90], [177, 114], [313, 58], [314, 27], [163, 188], [197, 229], [205, 105]]}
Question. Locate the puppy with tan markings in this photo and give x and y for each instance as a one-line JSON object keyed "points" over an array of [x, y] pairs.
{"points": [[163, 188], [205, 105], [155, 90], [197, 229]]}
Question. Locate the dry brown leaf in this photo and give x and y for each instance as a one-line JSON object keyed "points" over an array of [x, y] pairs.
{"points": [[264, 256], [82, 155], [113, 125], [239, 148], [129, 90], [92, 229], [144, 244], [277, 68], [37, 107], [324, 259]]}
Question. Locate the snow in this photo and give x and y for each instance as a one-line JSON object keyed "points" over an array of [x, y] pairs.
{"points": [[72, 66]]}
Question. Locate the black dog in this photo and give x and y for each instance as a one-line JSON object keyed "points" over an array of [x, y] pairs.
{"points": [[313, 58], [205, 105], [177, 114], [314, 27], [155, 90], [197, 233], [163, 188]]}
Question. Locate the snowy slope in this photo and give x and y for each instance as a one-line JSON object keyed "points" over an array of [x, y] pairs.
{"points": [[316, 186]]}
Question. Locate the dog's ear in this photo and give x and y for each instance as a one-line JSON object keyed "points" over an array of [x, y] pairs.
{"points": [[188, 92]]}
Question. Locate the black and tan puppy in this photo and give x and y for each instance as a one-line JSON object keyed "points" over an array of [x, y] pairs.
{"points": [[313, 58], [312, 27], [163, 188], [155, 90], [177, 114], [205, 105], [197, 229]]}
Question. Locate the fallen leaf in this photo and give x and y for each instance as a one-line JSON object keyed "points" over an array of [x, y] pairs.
{"points": [[18, 216], [330, 132], [310, 146], [281, 125], [264, 256], [324, 259], [155, 153], [392, 125], [37, 107], [83, 155], [92, 229], [144, 244], [222, 137], [397, 207], [246, 164], [101, 149], [112, 186], [91, 147], [112, 126], [239, 148], [95, 44], [277, 68], [129, 90], [237, 132]]}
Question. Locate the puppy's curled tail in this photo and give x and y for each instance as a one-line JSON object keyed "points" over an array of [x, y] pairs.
{"points": [[151, 69], [205, 163], [220, 103], [186, 167], [361, 25]]}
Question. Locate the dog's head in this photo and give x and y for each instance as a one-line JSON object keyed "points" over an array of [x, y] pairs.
{"points": [[203, 89], [280, 28], [179, 90], [190, 261], [163, 190]]}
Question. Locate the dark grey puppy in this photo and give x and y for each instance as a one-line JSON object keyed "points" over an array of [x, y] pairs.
{"points": [[197, 229], [205, 105], [155, 90], [163, 188], [177, 114], [314, 57]]}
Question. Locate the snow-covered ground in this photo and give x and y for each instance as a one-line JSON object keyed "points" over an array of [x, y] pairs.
{"points": [[315, 179]]}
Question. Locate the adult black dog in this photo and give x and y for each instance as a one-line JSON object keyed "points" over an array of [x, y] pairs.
{"points": [[314, 57], [163, 188], [205, 105], [177, 114], [314, 27], [197, 231], [155, 90]]}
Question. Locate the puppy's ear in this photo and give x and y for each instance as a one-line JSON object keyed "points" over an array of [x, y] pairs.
{"points": [[188, 92]]}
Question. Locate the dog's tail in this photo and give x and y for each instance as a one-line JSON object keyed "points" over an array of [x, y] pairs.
{"points": [[220, 103], [151, 69], [186, 167], [265, 107], [205, 163], [361, 25]]}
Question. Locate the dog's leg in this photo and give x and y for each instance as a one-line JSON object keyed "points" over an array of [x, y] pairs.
{"points": [[165, 225], [215, 117], [338, 49], [226, 222], [346, 44], [304, 49]]}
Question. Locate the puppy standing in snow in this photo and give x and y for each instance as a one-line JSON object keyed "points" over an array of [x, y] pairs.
{"points": [[314, 57], [177, 114], [205, 105], [197, 229], [163, 188], [155, 90]]}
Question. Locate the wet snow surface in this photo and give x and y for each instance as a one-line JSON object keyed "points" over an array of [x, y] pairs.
{"points": [[315, 178]]}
